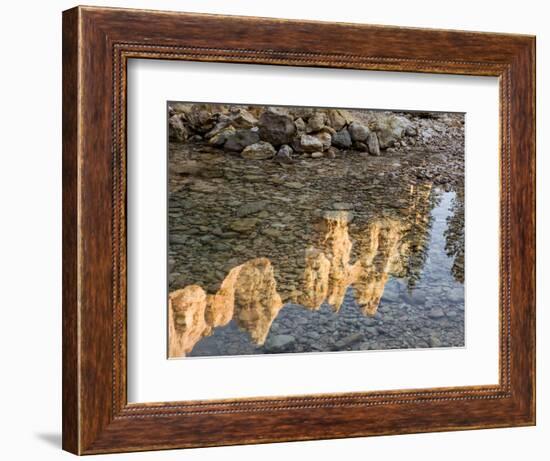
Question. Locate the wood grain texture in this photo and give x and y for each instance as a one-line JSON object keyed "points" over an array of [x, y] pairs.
{"points": [[97, 43]]}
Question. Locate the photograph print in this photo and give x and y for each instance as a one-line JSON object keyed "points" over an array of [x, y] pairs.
{"points": [[313, 230]]}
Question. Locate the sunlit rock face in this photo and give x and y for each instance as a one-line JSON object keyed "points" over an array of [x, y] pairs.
{"points": [[257, 302], [338, 250], [316, 279], [379, 257], [248, 295], [186, 322]]}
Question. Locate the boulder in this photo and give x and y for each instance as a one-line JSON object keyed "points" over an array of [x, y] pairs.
{"points": [[300, 125], [284, 155], [201, 117], [337, 118], [258, 151], [309, 143], [176, 128], [223, 122], [358, 132], [276, 127], [221, 137], [241, 118], [390, 128], [316, 122], [327, 129], [325, 138], [342, 139], [373, 145], [239, 139]]}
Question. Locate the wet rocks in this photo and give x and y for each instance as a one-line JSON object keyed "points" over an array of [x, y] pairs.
{"points": [[244, 225], [250, 208], [258, 151], [348, 341], [436, 313], [276, 128]]}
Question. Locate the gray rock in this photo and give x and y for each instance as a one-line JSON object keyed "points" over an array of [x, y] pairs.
{"points": [[342, 139], [373, 145], [310, 143], [239, 139], [279, 343], [258, 151], [276, 128], [284, 154], [286, 150], [358, 132]]}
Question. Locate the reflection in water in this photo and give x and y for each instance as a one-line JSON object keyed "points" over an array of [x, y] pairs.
{"points": [[335, 267]]}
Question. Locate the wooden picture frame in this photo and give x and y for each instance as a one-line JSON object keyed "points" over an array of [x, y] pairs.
{"points": [[97, 43]]}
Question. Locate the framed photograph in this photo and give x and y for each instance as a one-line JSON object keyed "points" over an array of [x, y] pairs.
{"points": [[282, 230]]}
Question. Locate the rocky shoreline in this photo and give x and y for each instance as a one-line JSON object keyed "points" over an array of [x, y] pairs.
{"points": [[291, 217]]}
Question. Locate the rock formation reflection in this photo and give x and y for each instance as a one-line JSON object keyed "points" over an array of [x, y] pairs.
{"points": [[248, 294]]}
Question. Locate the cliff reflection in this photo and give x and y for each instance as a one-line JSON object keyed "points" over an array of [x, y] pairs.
{"points": [[343, 253]]}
